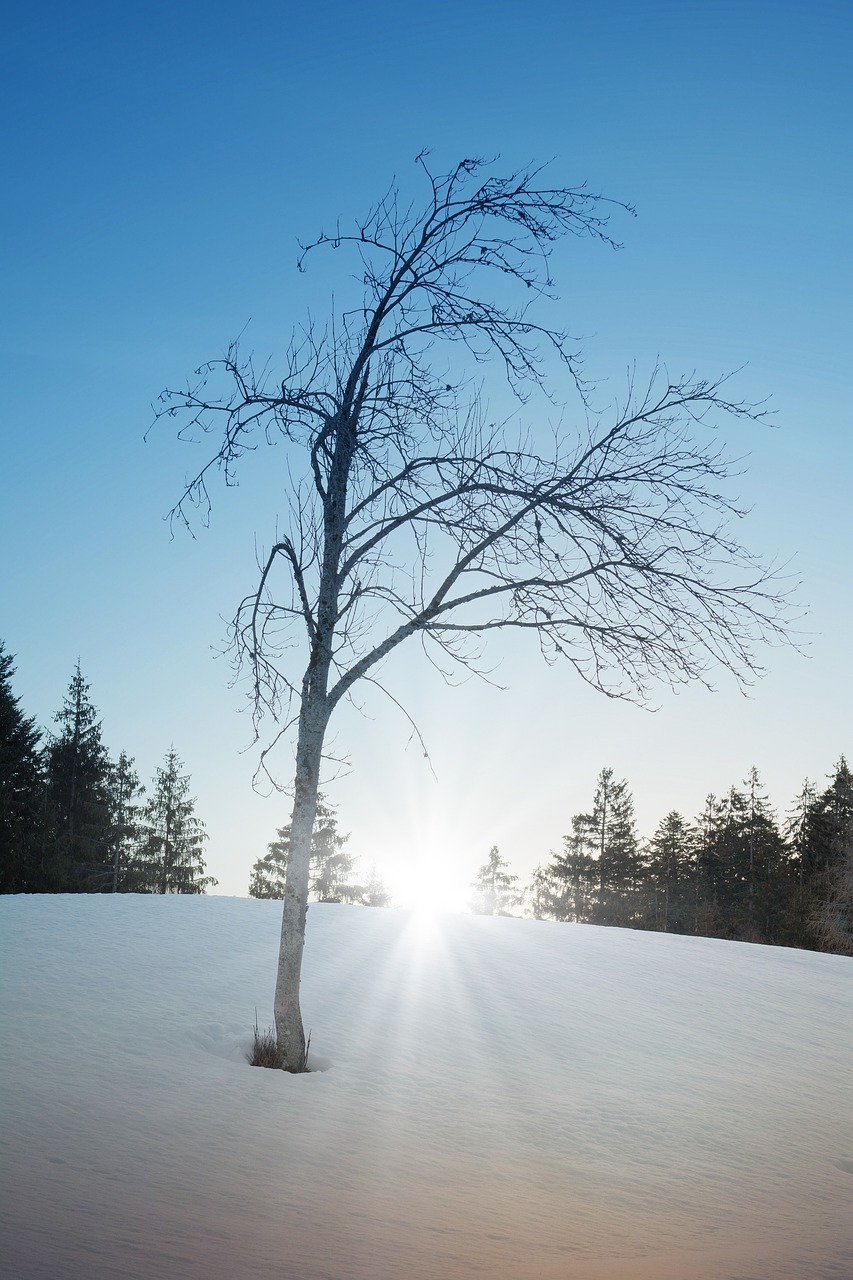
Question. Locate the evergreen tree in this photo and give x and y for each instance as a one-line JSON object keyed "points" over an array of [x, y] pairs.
{"points": [[829, 864], [543, 895], [830, 822], [617, 853], [797, 833], [710, 873], [23, 867], [574, 874], [169, 858], [374, 893], [731, 860], [268, 873], [832, 915], [493, 887], [331, 866], [742, 867], [125, 820], [766, 866], [671, 864], [78, 823]]}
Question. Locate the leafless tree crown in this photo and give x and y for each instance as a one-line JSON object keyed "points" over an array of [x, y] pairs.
{"points": [[410, 514]]}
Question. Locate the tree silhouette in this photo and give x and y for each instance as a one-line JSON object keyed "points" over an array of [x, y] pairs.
{"points": [[77, 768], [170, 858], [493, 888], [412, 515], [24, 867]]}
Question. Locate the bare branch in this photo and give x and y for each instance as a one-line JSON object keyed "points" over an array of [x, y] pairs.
{"points": [[413, 515]]}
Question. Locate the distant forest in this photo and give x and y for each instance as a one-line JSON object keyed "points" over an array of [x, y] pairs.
{"points": [[73, 820], [734, 872]]}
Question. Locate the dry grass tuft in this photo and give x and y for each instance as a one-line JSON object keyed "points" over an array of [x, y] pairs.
{"points": [[266, 1053]]}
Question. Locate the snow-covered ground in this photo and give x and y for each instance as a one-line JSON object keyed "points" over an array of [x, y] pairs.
{"points": [[496, 1098]]}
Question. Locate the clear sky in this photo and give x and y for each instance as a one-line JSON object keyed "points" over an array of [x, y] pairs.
{"points": [[160, 162]]}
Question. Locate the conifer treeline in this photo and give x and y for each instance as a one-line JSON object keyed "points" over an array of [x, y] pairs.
{"points": [[733, 873], [72, 820]]}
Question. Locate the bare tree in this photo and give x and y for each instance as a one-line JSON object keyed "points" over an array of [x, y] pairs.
{"points": [[411, 515]]}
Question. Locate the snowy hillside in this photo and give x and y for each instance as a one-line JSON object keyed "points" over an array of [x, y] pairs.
{"points": [[495, 1098]]}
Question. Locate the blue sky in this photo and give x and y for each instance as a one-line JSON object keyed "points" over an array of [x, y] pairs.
{"points": [[160, 164]]}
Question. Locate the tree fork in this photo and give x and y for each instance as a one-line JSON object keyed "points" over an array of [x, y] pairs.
{"points": [[412, 518]]}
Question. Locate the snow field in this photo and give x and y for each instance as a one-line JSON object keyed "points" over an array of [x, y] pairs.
{"points": [[495, 1097]]}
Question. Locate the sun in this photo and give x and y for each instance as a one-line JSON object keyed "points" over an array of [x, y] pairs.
{"points": [[429, 885]]}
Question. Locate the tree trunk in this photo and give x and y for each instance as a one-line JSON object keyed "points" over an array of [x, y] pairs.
{"points": [[288, 1017], [313, 718]]}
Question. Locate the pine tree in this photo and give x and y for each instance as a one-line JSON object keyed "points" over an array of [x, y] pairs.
{"points": [[742, 866], [78, 806], [331, 866], [671, 863], [797, 832], [832, 915], [493, 887], [619, 863], [766, 867], [543, 895], [169, 859], [732, 861], [23, 868], [575, 873], [830, 821], [374, 893], [268, 873], [829, 864], [711, 880], [125, 821]]}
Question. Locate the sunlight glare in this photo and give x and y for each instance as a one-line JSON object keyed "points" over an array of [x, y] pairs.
{"points": [[429, 887]]}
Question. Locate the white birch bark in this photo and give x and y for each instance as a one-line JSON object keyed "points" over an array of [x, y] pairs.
{"points": [[608, 548], [313, 718], [288, 1017]]}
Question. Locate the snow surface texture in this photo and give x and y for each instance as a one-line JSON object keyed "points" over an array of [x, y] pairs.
{"points": [[495, 1098]]}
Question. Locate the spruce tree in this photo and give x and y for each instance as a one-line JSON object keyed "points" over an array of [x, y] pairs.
{"points": [[829, 865], [539, 894], [671, 863], [493, 888], [797, 832], [830, 821], [124, 791], [331, 866], [268, 873], [731, 861], [710, 891], [543, 895], [617, 853], [169, 858], [574, 874], [832, 914], [23, 865], [766, 864], [742, 866], [78, 804], [374, 893]]}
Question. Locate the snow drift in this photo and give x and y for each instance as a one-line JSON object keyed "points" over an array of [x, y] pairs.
{"points": [[492, 1097]]}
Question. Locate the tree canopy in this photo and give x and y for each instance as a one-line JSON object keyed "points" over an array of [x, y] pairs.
{"points": [[411, 514]]}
